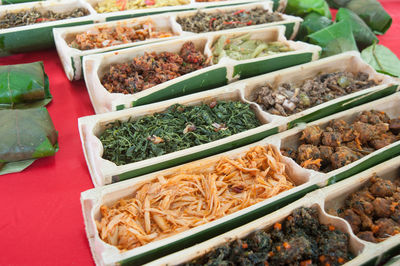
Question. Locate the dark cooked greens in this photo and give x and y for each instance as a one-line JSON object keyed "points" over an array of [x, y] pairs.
{"points": [[26, 134], [24, 85], [205, 22], [179, 127], [33, 16], [299, 240]]}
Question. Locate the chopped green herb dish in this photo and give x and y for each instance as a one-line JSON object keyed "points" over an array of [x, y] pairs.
{"points": [[179, 127]]}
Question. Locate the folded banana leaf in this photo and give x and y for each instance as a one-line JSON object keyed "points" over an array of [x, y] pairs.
{"points": [[304, 7], [335, 39], [362, 33], [337, 3], [25, 134], [313, 22], [371, 11], [24, 86], [382, 59]]}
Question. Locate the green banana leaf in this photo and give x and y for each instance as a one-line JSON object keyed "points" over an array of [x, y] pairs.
{"points": [[337, 3], [15, 167], [335, 39], [24, 86], [313, 22], [304, 7], [372, 12], [26, 134], [382, 59], [362, 33]]}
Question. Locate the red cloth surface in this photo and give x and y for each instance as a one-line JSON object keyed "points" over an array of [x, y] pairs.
{"points": [[40, 213]]}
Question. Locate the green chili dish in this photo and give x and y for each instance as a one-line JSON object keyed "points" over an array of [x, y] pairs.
{"points": [[179, 127], [242, 48]]}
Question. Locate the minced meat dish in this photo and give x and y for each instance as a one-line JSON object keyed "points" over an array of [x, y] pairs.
{"points": [[152, 69]]}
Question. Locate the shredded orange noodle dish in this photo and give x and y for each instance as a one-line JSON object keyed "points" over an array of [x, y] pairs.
{"points": [[173, 203]]}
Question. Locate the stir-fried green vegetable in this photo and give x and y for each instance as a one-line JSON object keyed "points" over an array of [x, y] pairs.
{"points": [[242, 47], [179, 127]]}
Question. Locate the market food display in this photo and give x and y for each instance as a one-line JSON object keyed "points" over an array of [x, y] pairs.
{"points": [[373, 211], [242, 48], [206, 22], [287, 99], [341, 143], [151, 69], [33, 16], [199, 47], [170, 204], [99, 37], [298, 240], [179, 127], [120, 5]]}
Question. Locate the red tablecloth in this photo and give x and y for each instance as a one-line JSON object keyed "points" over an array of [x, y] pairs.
{"points": [[40, 215]]}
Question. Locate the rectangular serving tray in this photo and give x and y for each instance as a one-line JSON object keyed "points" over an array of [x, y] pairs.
{"points": [[216, 75]]}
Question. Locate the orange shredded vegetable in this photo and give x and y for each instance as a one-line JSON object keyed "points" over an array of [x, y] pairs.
{"points": [[170, 204]]}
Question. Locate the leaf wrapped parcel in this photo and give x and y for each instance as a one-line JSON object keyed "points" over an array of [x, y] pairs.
{"points": [[335, 39], [26, 134], [24, 86], [313, 22], [362, 33], [372, 12], [303, 7]]}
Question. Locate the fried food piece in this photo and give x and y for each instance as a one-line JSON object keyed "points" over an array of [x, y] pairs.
{"points": [[367, 236], [383, 140], [344, 156], [288, 152], [308, 151], [326, 154], [382, 207], [353, 219], [312, 135], [394, 125], [386, 227], [382, 188], [332, 139], [373, 117]]}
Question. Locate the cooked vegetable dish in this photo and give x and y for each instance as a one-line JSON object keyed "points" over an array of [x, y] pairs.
{"points": [[374, 211], [179, 127], [205, 22], [170, 204], [99, 37], [242, 47], [287, 99], [152, 69], [341, 143], [121, 5], [33, 16], [299, 240]]}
